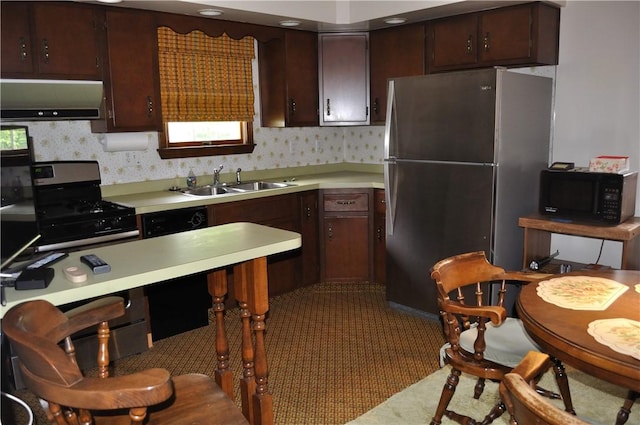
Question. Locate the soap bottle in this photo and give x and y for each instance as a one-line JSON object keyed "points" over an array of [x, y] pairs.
{"points": [[191, 180]]}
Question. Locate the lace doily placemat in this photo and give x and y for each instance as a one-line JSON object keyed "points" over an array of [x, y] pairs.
{"points": [[580, 292], [621, 335]]}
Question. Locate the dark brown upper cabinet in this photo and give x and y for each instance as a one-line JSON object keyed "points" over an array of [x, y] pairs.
{"points": [[522, 35], [393, 52], [49, 40], [288, 69], [343, 60], [131, 90]]}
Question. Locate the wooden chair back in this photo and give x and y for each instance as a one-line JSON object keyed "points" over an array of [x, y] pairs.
{"points": [[460, 311], [524, 404], [40, 335], [481, 340]]}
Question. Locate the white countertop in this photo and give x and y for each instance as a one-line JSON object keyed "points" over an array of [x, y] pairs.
{"points": [[166, 200], [146, 261]]}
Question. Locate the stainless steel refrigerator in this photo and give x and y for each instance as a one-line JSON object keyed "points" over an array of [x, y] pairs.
{"points": [[463, 153]]}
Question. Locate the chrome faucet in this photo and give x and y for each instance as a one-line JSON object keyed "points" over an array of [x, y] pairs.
{"points": [[216, 175], [238, 179]]}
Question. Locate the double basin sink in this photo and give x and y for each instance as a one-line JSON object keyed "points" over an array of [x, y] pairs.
{"points": [[230, 188]]}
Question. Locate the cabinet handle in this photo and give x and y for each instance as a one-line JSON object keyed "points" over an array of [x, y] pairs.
{"points": [[379, 233], [149, 106], [470, 45], [486, 44], [292, 106], [307, 211], [45, 50], [375, 106], [23, 49], [330, 232], [328, 107], [345, 202]]}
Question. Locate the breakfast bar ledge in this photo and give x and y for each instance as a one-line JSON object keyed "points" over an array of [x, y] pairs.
{"points": [[244, 246]]}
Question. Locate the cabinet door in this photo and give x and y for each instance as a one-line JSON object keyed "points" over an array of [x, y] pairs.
{"points": [[379, 242], [452, 42], [505, 34], [346, 245], [520, 35], [65, 43], [289, 80], [346, 248], [301, 78], [309, 229], [131, 99], [344, 79], [16, 49], [394, 52]]}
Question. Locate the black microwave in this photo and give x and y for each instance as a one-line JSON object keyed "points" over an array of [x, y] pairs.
{"points": [[586, 196]]}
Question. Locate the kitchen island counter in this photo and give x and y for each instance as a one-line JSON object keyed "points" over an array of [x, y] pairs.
{"points": [[147, 261]]}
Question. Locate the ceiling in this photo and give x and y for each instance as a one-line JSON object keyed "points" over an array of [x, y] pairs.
{"points": [[318, 15]]}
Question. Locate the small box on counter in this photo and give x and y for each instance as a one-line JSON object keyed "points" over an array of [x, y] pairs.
{"points": [[609, 164]]}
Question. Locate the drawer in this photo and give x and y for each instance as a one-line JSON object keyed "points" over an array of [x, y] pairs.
{"points": [[346, 202]]}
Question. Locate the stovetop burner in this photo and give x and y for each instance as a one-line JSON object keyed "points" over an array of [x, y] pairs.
{"points": [[79, 208], [69, 207]]}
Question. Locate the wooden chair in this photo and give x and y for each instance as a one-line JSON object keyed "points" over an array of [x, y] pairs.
{"points": [[481, 340], [40, 335], [523, 402]]}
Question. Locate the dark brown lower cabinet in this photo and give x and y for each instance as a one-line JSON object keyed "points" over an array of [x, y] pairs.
{"points": [[379, 235], [279, 211], [345, 238]]}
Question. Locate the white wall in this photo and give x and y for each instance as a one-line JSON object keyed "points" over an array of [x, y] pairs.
{"points": [[597, 109]]}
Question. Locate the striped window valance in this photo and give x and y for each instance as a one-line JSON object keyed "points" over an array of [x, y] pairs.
{"points": [[205, 78]]}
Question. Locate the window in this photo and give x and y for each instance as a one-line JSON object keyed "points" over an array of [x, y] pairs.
{"points": [[14, 138], [15, 144], [206, 88]]}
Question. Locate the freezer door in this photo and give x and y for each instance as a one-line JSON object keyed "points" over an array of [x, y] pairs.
{"points": [[443, 117], [441, 210]]}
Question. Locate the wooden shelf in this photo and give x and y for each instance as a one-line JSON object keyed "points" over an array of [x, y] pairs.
{"points": [[538, 230]]}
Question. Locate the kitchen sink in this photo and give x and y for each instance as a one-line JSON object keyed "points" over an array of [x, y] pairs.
{"points": [[206, 191], [257, 185], [233, 188]]}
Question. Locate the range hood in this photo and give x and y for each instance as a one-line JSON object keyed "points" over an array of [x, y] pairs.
{"points": [[28, 100]]}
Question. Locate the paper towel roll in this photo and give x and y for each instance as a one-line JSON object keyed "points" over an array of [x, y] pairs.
{"points": [[119, 142]]}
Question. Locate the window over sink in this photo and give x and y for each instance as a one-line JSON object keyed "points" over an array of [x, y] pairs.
{"points": [[206, 87]]}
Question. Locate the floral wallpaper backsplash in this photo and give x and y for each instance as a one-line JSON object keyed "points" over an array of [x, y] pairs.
{"points": [[275, 148]]}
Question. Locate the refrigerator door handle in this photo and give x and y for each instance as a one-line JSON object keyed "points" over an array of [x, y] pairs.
{"points": [[391, 192], [390, 123], [390, 168]]}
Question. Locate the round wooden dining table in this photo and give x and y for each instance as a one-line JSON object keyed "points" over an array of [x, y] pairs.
{"points": [[563, 332]]}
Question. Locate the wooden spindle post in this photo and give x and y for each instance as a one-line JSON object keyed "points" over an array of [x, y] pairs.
{"points": [[217, 285], [254, 283], [247, 381]]}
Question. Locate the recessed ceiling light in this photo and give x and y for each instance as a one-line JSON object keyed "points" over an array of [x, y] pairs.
{"points": [[290, 23], [395, 21], [210, 12], [110, 1]]}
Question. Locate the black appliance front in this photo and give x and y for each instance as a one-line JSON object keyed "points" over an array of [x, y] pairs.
{"points": [[181, 304]]}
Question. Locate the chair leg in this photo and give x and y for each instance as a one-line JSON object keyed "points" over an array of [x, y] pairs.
{"points": [[447, 393], [623, 414], [478, 389], [563, 385], [495, 413]]}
